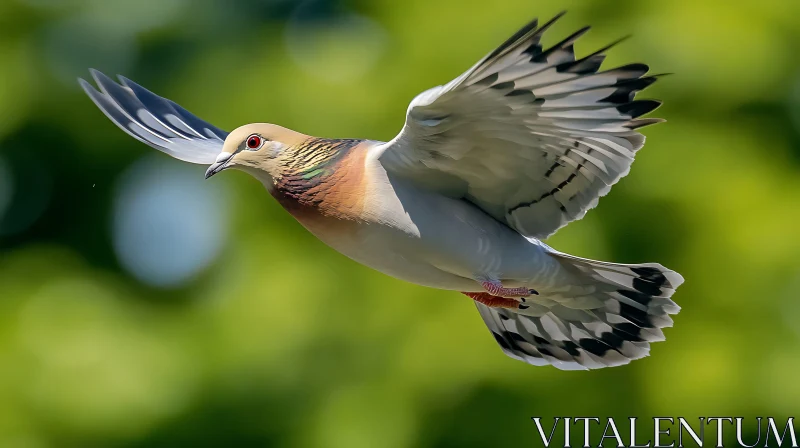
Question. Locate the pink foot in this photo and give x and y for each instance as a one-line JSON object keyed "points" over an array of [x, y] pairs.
{"points": [[497, 289], [493, 301]]}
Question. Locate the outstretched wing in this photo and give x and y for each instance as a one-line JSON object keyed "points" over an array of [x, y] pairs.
{"points": [[156, 121], [534, 137]]}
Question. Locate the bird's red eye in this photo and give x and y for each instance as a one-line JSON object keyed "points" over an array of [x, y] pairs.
{"points": [[254, 142]]}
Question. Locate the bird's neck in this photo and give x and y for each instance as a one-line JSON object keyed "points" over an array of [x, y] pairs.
{"points": [[323, 177]]}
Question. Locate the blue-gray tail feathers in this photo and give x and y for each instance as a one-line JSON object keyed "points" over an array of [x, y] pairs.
{"points": [[608, 318]]}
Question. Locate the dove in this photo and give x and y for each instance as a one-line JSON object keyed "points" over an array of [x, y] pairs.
{"points": [[484, 169]]}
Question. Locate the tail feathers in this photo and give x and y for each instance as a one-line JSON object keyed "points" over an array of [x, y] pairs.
{"points": [[607, 319]]}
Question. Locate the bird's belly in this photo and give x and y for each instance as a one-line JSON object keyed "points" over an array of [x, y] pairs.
{"points": [[433, 241], [390, 251]]}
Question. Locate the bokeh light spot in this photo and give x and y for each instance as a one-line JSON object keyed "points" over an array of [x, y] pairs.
{"points": [[168, 223]]}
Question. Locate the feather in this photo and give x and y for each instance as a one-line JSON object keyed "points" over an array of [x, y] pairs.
{"points": [[628, 307], [533, 136], [155, 121]]}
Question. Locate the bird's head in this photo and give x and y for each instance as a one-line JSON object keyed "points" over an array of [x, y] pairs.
{"points": [[259, 149]]}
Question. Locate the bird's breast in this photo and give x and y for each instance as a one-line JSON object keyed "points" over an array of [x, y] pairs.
{"points": [[392, 225]]}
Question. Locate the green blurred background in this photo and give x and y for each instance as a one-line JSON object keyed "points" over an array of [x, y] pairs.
{"points": [[143, 307]]}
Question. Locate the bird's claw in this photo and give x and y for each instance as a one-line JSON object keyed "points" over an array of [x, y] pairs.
{"points": [[497, 296], [497, 289]]}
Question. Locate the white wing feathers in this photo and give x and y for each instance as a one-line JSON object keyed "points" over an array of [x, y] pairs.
{"points": [[156, 121], [534, 137]]}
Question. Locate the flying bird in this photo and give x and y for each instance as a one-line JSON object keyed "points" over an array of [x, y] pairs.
{"points": [[485, 168]]}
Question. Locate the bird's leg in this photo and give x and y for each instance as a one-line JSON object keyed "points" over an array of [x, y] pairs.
{"points": [[495, 288], [493, 301], [497, 296]]}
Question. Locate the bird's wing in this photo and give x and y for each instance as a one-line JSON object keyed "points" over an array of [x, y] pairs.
{"points": [[156, 121], [532, 136]]}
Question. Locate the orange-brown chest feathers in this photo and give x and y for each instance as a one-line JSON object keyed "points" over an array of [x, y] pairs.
{"points": [[324, 183]]}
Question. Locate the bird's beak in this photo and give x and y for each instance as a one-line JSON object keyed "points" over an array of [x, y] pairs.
{"points": [[220, 164]]}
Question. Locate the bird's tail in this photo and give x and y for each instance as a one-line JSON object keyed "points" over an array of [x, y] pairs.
{"points": [[608, 317]]}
